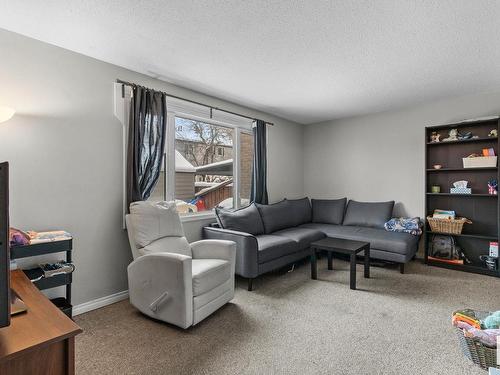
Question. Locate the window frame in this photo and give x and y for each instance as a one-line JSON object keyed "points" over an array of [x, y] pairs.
{"points": [[190, 111]]}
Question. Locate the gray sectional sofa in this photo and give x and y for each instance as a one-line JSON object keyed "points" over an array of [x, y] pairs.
{"points": [[271, 236]]}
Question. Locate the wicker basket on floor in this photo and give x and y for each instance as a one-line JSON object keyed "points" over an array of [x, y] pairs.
{"points": [[450, 226], [478, 353]]}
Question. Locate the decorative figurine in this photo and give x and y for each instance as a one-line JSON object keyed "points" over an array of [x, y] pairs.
{"points": [[452, 136], [493, 133], [493, 187], [466, 135], [435, 137]]}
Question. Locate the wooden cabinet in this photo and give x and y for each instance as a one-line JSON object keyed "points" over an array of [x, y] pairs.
{"points": [[39, 341], [480, 207]]}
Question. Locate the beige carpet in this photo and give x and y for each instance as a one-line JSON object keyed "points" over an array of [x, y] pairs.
{"points": [[290, 324]]}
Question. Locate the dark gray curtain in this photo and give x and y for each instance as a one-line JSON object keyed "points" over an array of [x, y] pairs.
{"points": [[146, 142], [259, 168]]}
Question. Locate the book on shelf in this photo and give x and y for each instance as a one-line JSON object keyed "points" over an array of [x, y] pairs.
{"points": [[443, 214], [448, 261]]}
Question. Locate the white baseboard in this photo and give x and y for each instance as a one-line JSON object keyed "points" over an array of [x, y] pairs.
{"points": [[99, 302]]}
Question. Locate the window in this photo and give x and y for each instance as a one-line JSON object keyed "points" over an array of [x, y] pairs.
{"points": [[213, 167]]}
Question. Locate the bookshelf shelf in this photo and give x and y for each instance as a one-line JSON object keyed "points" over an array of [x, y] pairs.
{"points": [[468, 235], [433, 170], [483, 139], [462, 195], [481, 208]]}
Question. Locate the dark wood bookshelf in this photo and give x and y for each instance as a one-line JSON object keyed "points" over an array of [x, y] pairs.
{"points": [[481, 208]]}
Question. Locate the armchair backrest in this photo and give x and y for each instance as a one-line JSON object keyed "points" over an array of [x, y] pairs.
{"points": [[155, 227]]}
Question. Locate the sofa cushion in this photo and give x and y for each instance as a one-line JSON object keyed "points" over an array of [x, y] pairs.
{"points": [[328, 211], [303, 236], [243, 220], [276, 216], [401, 243], [368, 214], [208, 274], [300, 209], [273, 247]]}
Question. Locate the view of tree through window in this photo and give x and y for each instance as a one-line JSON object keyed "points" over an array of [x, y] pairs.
{"points": [[204, 167]]}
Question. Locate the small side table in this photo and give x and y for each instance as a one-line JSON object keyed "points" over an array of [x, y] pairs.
{"points": [[338, 245], [66, 246]]}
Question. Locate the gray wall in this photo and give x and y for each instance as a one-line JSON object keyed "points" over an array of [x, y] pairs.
{"points": [[381, 156], [65, 150]]}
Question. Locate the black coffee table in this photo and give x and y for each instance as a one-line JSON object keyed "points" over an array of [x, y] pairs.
{"points": [[339, 245]]}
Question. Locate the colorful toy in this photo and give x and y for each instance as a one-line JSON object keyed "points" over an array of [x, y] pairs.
{"points": [[493, 187], [452, 136], [435, 137]]}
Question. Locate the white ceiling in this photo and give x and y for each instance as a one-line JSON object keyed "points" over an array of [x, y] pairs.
{"points": [[307, 61]]}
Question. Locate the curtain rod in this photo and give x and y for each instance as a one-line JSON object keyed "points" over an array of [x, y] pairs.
{"points": [[194, 102]]}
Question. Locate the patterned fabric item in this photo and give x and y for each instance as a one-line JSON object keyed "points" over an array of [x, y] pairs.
{"points": [[411, 225], [18, 237]]}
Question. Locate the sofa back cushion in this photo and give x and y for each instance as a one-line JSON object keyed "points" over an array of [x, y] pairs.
{"points": [[276, 216], [300, 209], [328, 211], [243, 220], [368, 214]]}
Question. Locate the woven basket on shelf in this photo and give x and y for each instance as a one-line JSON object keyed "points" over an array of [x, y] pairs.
{"points": [[478, 353], [451, 226]]}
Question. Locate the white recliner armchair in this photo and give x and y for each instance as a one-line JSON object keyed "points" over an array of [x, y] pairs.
{"points": [[170, 279]]}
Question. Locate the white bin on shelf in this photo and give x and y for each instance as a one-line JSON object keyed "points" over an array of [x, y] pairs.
{"points": [[480, 162]]}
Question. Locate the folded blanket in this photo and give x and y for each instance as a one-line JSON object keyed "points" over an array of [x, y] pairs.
{"points": [[411, 225]]}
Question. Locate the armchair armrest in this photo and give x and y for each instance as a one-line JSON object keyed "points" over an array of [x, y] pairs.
{"points": [[246, 249], [161, 286], [214, 249]]}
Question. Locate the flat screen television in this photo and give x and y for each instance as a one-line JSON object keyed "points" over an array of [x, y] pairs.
{"points": [[5, 301]]}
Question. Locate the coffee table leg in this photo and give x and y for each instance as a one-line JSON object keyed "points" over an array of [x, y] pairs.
{"points": [[314, 269], [353, 271], [330, 260], [367, 262]]}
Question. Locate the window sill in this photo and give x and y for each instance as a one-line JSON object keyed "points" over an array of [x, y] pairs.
{"points": [[197, 217]]}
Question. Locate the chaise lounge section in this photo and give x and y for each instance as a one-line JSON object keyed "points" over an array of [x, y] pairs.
{"points": [[272, 236]]}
